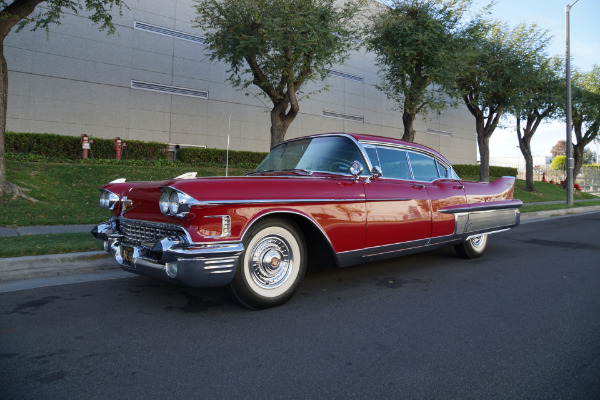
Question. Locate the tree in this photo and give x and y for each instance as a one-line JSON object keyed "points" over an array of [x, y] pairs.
{"points": [[21, 13], [491, 74], [559, 149], [586, 113], [415, 45], [540, 99], [559, 163], [589, 157], [278, 45]]}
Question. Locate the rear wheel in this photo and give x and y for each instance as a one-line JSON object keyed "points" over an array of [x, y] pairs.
{"points": [[473, 247], [272, 265]]}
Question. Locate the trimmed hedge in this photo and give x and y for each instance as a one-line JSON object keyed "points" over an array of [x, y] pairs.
{"points": [[58, 148], [190, 155], [69, 147], [473, 170]]}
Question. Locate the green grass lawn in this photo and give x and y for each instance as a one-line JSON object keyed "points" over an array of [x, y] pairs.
{"points": [[546, 192], [18, 246], [68, 193]]}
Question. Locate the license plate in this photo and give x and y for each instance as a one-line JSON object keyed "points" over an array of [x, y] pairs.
{"points": [[127, 254]]}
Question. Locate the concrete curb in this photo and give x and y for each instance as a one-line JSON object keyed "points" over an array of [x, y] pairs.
{"points": [[18, 268], [23, 268], [558, 213]]}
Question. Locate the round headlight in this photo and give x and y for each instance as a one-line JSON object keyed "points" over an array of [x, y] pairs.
{"points": [[108, 199], [104, 199], [163, 203], [174, 203]]}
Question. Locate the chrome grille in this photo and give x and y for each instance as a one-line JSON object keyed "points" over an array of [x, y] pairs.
{"points": [[137, 232]]}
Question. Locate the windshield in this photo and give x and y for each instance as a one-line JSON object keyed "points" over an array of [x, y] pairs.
{"points": [[323, 154]]}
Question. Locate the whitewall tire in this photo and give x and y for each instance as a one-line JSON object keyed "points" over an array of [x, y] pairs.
{"points": [[473, 247], [272, 265]]}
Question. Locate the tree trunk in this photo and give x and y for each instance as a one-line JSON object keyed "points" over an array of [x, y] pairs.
{"points": [[408, 119], [578, 160], [3, 103], [529, 185], [484, 155], [6, 187], [281, 119], [525, 146]]}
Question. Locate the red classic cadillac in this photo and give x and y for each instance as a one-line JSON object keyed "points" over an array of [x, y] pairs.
{"points": [[340, 198]]}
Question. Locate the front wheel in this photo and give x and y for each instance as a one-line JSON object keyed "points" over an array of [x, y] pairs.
{"points": [[272, 265], [473, 247]]}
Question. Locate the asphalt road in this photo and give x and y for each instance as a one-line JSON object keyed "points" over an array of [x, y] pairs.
{"points": [[522, 322]]}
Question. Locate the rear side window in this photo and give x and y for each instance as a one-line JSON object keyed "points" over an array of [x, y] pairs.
{"points": [[424, 168], [393, 163], [442, 170]]}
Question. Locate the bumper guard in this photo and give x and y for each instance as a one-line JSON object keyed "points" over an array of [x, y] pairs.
{"points": [[172, 258]]}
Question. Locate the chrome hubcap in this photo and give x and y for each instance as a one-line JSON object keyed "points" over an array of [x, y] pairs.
{"points": [[477, 241], [271, 261]]}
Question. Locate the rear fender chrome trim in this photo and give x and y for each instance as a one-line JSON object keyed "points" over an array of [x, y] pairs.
{"points": [[487, 233]]}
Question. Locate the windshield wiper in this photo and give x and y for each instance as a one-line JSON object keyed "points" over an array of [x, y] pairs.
{"points": [[260, 172], [306, 171]]}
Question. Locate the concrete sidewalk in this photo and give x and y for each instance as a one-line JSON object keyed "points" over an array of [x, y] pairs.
{"points": [[38, 230], [14, 269], [560, 201]]}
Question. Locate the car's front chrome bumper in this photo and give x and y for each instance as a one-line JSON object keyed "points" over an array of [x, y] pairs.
{"points": [[172, 258]]}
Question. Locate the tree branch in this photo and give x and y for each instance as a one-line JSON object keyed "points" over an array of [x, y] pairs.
{"points": [[15, 12], [261, 80]]}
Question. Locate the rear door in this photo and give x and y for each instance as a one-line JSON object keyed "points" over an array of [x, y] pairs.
{"points": [[443, 191], [398, 209]]}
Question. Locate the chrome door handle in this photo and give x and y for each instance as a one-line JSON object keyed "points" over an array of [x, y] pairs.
{"points": [[458, 187], [419, 187]]}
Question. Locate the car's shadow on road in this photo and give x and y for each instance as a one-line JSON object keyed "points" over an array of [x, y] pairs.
{"points": [[326, 283]]}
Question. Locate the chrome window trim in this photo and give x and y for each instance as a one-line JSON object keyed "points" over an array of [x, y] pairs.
{"points": [[408, 148], [410, 168]]}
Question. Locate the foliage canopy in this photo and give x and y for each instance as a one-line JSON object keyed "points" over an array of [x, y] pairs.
{"points": [[278, 45], [416, 47]]}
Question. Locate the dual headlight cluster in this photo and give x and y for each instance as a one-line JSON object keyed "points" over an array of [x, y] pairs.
{"points": [[108, 199], [174, 203]]}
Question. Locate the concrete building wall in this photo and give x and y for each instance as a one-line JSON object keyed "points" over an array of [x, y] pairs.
{"points": [[79, 80]]}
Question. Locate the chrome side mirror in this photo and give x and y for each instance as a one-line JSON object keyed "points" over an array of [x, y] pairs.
{"points": [[356, 169], [376, 172]]}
